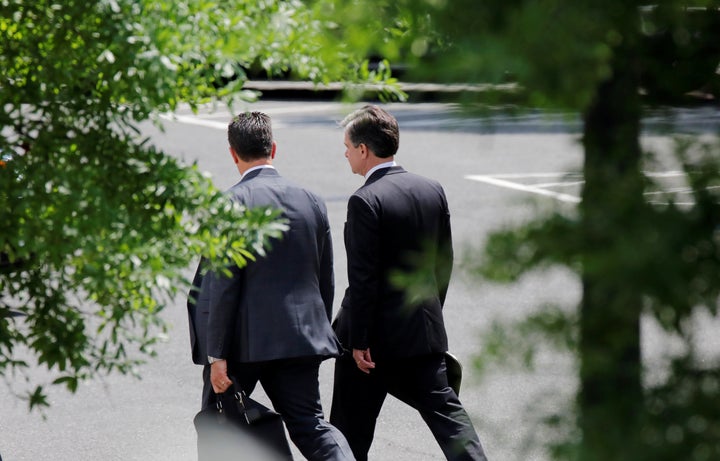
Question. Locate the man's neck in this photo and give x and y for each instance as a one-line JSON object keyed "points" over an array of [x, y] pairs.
{"points": [[243, 167]]}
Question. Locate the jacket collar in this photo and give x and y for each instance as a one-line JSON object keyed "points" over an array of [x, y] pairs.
{"points": [[384, 171], [259, 172]]}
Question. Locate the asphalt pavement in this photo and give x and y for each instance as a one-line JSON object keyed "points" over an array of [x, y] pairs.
{"points": [[496, 170]]}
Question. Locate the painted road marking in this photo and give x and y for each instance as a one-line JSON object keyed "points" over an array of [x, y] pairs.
{"points": [[533, 189], [516, 181], [192, 120]]}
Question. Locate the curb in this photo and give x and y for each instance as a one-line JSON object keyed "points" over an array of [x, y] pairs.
{"points": [[298, 89]]}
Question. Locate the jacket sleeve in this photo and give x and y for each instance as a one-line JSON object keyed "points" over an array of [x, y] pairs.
{"points": [[444, 261], [327, 274], [194, 320], [225, 293], [363, 250]]}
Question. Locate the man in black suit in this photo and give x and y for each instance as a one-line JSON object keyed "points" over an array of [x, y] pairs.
{"points": [[398, 227], [270, 320]]}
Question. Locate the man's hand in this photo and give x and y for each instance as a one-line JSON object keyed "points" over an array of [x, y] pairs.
{"points": [[219, 377], [363, 360]]}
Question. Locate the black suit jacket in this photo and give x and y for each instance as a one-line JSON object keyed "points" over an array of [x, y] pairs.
{"points": [[397, 223], [280, 305]]}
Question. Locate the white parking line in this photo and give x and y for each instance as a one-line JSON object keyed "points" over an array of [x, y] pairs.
{"points": [[301, 109], [525, 188], [191, 120], [559, 184], [663, 174], [551, 174], [503, 180], [198, 121], [207, 121]]}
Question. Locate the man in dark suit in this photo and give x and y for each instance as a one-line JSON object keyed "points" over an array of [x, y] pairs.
{"points": [[270, 320], [398, 228]]}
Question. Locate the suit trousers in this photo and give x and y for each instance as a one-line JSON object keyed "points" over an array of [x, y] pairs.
{"points": [[293, 388], [422, 383]]}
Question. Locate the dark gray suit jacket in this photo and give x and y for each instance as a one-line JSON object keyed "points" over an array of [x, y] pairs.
{"points": [[280, 305], [397, 222], [198, 302]]}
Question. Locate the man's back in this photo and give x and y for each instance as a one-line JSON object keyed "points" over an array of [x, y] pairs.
{"points": [[283, 300], [398, 223]]}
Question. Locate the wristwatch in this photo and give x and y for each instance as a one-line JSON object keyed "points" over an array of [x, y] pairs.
{"points": [[212, 360]]}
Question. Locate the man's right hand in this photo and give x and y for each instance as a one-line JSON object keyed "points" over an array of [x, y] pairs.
{"points": [[363, 360], [219, 377]]}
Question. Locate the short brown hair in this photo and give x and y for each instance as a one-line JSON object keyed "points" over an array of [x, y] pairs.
{"points": [[375, 128]]}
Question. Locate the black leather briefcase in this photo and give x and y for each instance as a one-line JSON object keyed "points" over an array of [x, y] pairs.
{"points": [[239, 427], [454, 372]]}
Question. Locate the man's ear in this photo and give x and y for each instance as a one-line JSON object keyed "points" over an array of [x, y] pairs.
{"points": [[274, 149], [235, 156], [363, 150]]}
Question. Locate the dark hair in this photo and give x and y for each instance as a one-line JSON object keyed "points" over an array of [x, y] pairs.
{"points": [[375, 128], [250, 136]]}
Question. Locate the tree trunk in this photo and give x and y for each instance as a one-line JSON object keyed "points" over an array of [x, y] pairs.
{"points": [[610, 397]]}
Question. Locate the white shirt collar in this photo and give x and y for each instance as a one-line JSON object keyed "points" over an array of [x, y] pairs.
{"points": [[377, 167], [256, 168]]}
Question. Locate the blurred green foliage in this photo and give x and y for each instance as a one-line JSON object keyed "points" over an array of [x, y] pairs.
{"points": [[97, 227], [633, 258]]}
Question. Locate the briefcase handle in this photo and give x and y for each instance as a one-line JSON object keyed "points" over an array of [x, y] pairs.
{"points": [[250, 414]]}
